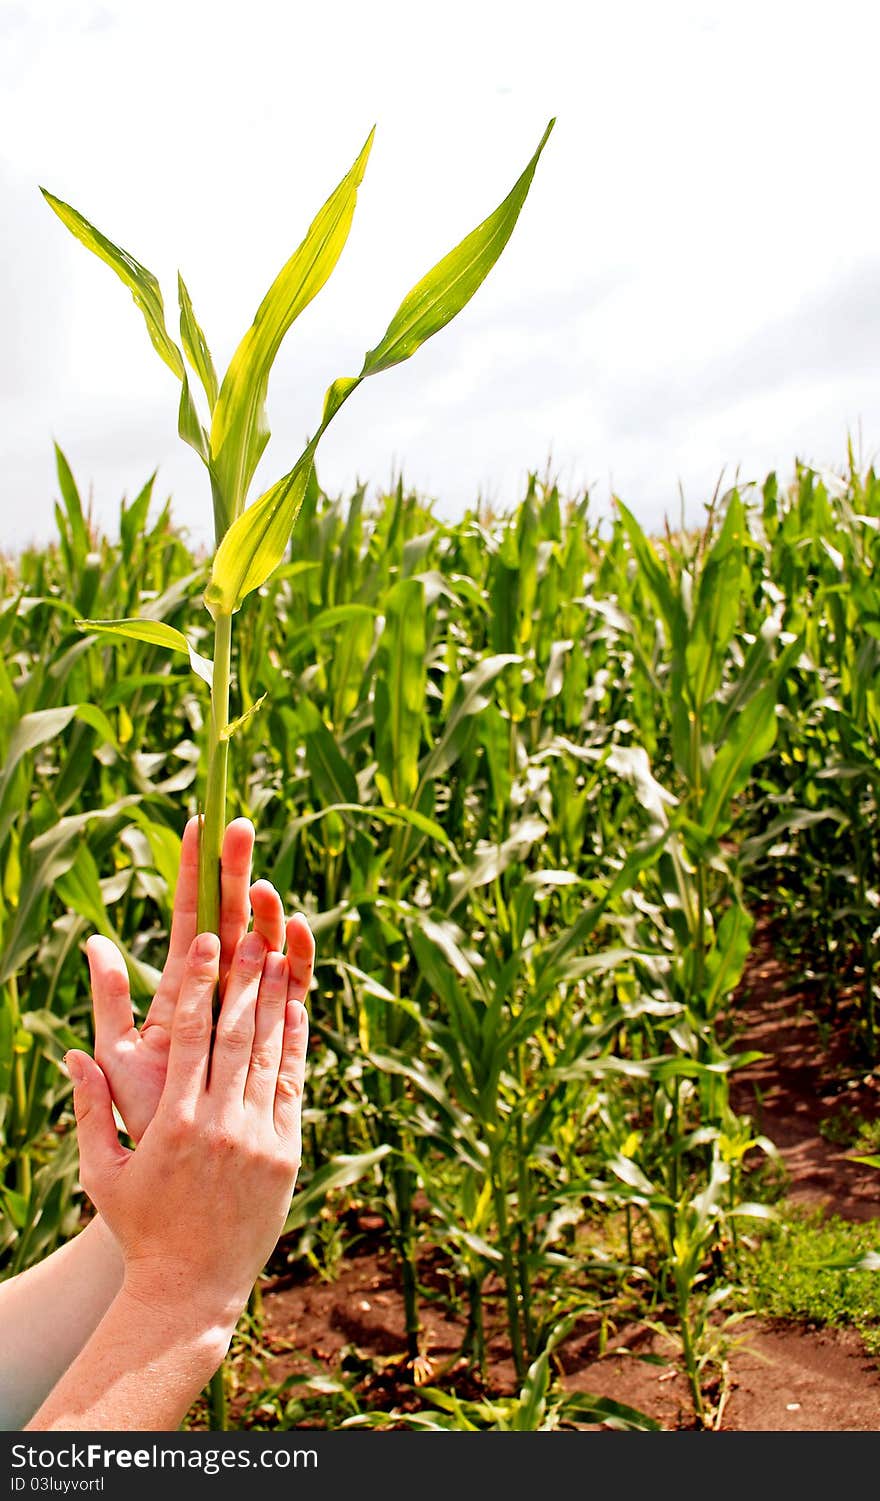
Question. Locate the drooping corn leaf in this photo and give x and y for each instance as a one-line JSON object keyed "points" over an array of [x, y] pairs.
{"points": [[426, 826], [43, 725], [239, 431], [256, 541], [471, 700], [141, 283], [146, 292], [340, 1172], [157, 633]]}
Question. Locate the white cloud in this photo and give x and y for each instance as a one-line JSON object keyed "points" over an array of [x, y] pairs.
{"points": [[694, 282]]}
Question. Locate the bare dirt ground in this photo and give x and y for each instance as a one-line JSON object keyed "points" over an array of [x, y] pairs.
{"points": [[783, 1377]]}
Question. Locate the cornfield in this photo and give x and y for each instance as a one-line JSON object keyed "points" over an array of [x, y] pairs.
{"points": [[531, 777]]}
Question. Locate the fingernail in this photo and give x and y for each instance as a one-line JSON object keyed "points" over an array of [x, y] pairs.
{"points": [[73, 1064], [253, 948], [207, 946]]}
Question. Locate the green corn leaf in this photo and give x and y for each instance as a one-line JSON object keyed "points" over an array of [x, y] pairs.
{"points": [[189, 423], [43, 725], [446, 289], [79, 888], [97, 720], [141, 283], [409, 816], [195, 344], [492, 859], [32, 731], [327, 620], [727, 958], [73, 506], [133, 518], [164, 846], [339, 1172], [156, 633], [239, 431], [470, 699], [47, 858], [400, 693], [717, 607], [256, 541], [614, 1415], [751, 737], [351, 652], [239, 723], [145, 290], [656, 578], [255, 544], [333, 778]]}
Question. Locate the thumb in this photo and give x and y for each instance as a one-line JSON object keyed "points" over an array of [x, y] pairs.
{"points": [[101, 1153]]}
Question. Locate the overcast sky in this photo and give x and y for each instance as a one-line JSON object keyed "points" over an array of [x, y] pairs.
{"points": [[693, 285]]}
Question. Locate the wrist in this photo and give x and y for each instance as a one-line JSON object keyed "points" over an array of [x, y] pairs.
{"points": [[98, 1230], [181, 1303]]}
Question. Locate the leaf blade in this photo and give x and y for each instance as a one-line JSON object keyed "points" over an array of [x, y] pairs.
{"points": [[155, 633], [239, 431], [141, 283]]}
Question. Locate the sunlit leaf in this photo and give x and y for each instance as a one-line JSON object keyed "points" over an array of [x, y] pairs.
{"points": [[239, 431], [256, 541], [156, 633]]}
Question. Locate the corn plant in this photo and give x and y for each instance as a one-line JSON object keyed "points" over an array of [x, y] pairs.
{"points": [[251, 540]]}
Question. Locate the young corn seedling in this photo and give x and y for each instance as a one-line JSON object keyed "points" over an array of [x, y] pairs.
{"points": [[252, 539]]}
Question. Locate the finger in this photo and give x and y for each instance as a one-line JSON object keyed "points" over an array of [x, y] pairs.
{"points": [[101, 1154], [268, 911], [183, 928], [300, 957], [291, 1077], [235, 880], [234, 1038], [268, 1034], [191, 1029], [111, 996]]}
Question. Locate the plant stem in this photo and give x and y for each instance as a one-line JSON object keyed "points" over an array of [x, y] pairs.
{"points": [[693, 1374], [499, 1195], [214, 818], [213, 827], [217, 1401]]}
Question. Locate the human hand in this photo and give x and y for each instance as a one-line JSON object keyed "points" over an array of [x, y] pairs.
{"points": [[198, 1206], [134, 1060]]}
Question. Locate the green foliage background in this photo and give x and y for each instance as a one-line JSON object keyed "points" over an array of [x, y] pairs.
{"points": [[531, 777]]}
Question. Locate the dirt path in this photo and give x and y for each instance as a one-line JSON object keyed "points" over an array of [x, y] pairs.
{"points": [[784, 1377], [800, 1084]]}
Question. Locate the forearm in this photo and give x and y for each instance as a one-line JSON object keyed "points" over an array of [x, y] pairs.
{"points": [[48, 1313], [141, 1370]]}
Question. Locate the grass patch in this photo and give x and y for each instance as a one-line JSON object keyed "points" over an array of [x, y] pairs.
{"points": [[786, 1274]]}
